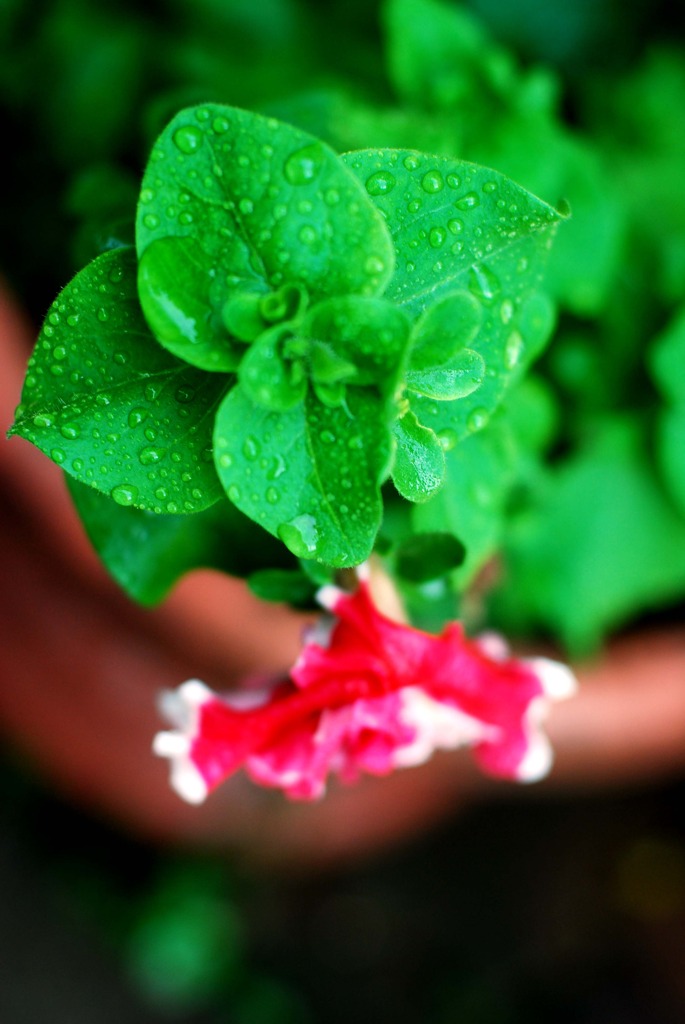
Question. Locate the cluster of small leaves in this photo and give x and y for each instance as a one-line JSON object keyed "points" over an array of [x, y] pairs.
{"points": [[292, 330]]}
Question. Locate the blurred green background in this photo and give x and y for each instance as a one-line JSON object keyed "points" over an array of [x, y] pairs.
{"points": [[529, 908]]}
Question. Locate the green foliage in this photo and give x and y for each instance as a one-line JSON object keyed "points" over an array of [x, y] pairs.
{"points": [[312, 338], [107, 403], [626, 556], [251, 334]]}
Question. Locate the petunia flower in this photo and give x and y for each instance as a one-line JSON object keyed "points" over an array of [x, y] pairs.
{"points": [[367, 694]]}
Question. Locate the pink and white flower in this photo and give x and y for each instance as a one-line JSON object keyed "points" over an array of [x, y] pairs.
{"points": [[367, 695]]}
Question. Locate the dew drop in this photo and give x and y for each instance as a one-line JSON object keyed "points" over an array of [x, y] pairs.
{"points": [[327, 437], [58, 455], [42, 420], [411, 162], [469, 201], [251, 448], [331, 197], [300, 535], [188, 139], [149, 456], [246, 205], [490, 187], [124, 494], [374, 265], [477, 419], [304, 164], [277, 468], [455, 226], [432, 182], [307, 234], [273, 495], [447, 438], [483, 283], [70, 431], [103, 315], [221, 125], [437, 237], [453, 180], [233, 493], [185, 393], [151, 221], [380, 183], [506, 311], [513, 350]]}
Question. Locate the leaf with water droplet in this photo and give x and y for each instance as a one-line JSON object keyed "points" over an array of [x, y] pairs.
{"points": [[147, 552], [176, 282], [458, 377], [445, 327], [333, 461], [239, 180], [117, 377], [419, 467], [498, 257]]}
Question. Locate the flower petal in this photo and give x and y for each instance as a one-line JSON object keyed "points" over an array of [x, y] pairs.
{"points": [[368, 694]]}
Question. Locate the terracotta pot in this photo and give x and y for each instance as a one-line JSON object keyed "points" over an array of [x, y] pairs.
{"points": [[83, 667]]}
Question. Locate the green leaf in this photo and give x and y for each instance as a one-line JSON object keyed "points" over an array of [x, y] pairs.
{"points": [[291, 586], [667, 365], [457, 226], [472, 502], [439, 56], [419, 467], [368, 333], [110, 406], [600, 545], [444, 328], [235, 202], [310, 475], [671, 451], [267, 378], [427, 556], [459, 377], [667, 359], [147, 553]]}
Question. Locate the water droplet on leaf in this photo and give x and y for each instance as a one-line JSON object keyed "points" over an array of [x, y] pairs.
{"points": [[149, 456], [432, 182], [300, 535], [188, 139], [124, 494], [483, 283], [380, 183], [304, 165], [469, 201], [477, 419]]}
